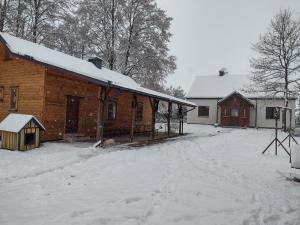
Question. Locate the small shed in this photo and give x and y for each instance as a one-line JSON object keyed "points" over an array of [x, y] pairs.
{"points": [[20, 132]]}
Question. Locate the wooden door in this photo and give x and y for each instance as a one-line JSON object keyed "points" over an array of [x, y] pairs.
{"points": [[72, 114], [234, 117]]}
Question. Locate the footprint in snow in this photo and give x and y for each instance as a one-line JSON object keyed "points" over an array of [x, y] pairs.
{"points": [[80, 213], [271, 218], [102, 221], [132, 199], [184, 218], [287, 209]]}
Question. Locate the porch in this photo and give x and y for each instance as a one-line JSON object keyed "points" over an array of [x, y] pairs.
{"points": [[235, 110], [124, 116]]}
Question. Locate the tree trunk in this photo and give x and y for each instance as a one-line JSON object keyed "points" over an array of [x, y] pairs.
{"points": [[19, 13], [127, 55], [286, 99], [3, 15], [113, 35], [36, 20]]}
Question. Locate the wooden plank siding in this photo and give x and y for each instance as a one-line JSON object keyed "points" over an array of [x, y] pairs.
{"points": [[9, 140], [29, 78], [235, 102], [30, 128], [122, 124], [58, 86], [43, 92]]}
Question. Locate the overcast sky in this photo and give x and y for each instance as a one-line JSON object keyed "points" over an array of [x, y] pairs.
{"points": [[211, 34]]}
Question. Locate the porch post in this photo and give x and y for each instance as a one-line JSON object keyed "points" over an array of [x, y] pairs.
{"points": [[102, 103], [180, 113], [154, 106], [98, 131], [133, 111], [217, 119], [169, 117]]}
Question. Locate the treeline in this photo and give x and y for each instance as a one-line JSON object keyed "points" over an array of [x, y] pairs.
{"points": [[131, 36]]}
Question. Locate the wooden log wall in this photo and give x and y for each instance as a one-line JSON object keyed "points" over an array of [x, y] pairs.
{"points": [[43, 92], [58, 87], [122, 124], [29, 78]]}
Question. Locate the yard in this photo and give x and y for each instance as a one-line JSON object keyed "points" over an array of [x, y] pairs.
{"points": [[211, 176]]}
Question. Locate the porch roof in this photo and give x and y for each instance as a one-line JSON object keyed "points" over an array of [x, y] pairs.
{"points": [[238, 94], [80, 68]]}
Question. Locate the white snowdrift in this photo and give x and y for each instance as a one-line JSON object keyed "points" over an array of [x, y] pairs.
{"points": [[213, 176]]}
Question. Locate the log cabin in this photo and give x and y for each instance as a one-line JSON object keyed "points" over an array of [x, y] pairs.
{"points": [[69, 95]]}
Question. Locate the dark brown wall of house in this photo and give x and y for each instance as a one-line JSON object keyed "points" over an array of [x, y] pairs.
{"points": [[58, 86], [29, 78], [235, 102], [122, 124]]}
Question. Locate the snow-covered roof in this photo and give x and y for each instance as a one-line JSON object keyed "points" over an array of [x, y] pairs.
{"points": [[215, 86], [15, 122], [235, 93], [87, 69]]}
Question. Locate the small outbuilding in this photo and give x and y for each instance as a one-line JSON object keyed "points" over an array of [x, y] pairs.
{"points": [[20, 132]]}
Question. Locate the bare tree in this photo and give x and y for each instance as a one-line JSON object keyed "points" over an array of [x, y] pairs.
{"points": [[3, 13], [131, 36], [278, 62], [144, 43]]}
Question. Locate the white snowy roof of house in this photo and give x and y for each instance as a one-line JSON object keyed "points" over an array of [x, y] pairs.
{"points": [[15, 122], [215, 86], [78, 66]]}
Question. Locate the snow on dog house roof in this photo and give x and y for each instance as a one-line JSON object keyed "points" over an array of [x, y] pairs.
{"points": [[78, 67], [16, 122]]}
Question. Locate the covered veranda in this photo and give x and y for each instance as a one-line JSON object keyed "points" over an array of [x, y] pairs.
{"points": [[167, 116]]}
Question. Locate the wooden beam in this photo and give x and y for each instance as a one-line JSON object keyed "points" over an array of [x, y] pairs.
{"points": [[98, 135], [180, 114], [169, 117], [104, 92], [133, 112], [154, 106]]}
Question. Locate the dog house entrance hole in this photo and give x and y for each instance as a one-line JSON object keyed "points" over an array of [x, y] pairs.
{"points": [[30, 139]]}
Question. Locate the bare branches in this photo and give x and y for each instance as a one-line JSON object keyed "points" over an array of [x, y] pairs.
{"points": [[131, 36], [279, 53], [277, 68]]}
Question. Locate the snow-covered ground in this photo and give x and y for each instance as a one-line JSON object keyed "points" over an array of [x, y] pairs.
{"points": [[212, 176]]}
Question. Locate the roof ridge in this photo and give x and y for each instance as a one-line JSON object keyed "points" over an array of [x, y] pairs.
{"points": [[217, 75], [48, 57]]}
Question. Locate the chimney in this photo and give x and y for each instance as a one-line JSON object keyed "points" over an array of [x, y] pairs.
{"points": [[96, 61], [222, 72]]}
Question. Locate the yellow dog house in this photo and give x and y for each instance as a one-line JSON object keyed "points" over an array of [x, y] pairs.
{"points": [[20, 132]]}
